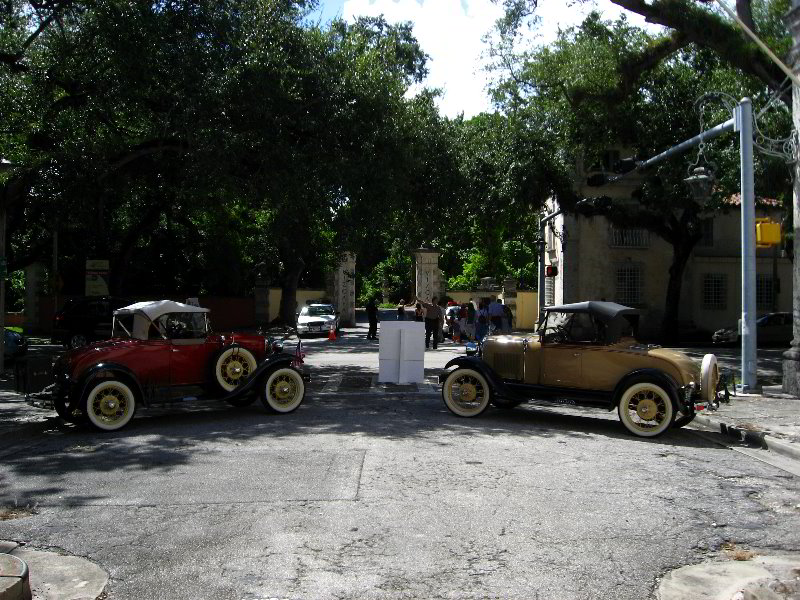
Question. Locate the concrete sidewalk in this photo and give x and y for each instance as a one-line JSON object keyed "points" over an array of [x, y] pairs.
{"points": [[770, 420]]}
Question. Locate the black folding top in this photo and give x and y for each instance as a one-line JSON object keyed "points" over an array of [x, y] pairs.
{"points": [[605, 311]]}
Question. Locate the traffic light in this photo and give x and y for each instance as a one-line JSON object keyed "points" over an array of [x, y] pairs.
{"points": [[550, 271]]}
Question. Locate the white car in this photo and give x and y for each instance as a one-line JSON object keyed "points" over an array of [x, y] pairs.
{"points": [[317, 318]]}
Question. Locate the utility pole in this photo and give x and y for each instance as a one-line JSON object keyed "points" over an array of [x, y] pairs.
{"points": [[744, 125], [791, 358]]}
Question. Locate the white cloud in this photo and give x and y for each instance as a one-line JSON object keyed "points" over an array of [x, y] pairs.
{"points": [[451, 36], [450, 32]]}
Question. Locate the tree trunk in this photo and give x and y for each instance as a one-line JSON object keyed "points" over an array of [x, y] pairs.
{"points": [[289, 308], [680, 256]]}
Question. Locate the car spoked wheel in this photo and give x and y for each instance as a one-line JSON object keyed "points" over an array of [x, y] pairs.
{"points": [[284, 390], [233, 366], [466, 393], [646, 409], [110, 405]]}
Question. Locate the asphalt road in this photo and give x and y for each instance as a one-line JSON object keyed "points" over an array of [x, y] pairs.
{"points": [[364, 494]]}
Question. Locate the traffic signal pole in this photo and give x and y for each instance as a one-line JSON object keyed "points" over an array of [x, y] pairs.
{"points": [[742, 122]]}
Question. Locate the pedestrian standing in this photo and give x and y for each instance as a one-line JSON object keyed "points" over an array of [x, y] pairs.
{"points": [[419, 314], [442, 313], [433, 315], [482, 325], [496, 314], [401, 311], [470, 325], [372, 317]]}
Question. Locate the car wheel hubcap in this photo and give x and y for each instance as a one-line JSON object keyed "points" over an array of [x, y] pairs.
{"points": [[647, 409], [110, 406], [466, 391], [234, 369]]}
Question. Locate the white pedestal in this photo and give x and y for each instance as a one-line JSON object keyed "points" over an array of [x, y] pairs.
{"points": [[401, 352]]}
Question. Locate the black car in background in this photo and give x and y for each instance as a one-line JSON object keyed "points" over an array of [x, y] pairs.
{"points": [[82, 320]]}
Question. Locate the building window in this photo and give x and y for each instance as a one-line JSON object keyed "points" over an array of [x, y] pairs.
{"points": [[629, 284], [765, 292], [715, 291], [707, 229], [626, 237]]}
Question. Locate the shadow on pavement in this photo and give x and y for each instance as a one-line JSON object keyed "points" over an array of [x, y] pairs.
{"points": [[166, 439]]}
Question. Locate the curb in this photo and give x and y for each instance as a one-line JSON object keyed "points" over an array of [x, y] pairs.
{"points": [[14, 576], [755, 438]]}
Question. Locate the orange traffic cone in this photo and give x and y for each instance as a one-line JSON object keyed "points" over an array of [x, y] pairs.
{"points": [[332, 335]]}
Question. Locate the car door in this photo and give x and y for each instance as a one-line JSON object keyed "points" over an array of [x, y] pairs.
{"points": [[561, 352], [190, 349], [561, 364]]}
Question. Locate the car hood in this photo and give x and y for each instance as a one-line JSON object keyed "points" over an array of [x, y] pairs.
{"points": [[307, 318]]}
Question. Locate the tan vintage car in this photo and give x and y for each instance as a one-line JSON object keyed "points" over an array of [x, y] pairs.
{"points": [[585, 354]]}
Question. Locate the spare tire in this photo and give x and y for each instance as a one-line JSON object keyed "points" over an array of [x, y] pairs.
{"points": [[232, 366], [709, 378]]}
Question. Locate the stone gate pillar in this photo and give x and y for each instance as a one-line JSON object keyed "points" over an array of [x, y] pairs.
{"points": [[428, 276], [35, 282], [344, 289]]}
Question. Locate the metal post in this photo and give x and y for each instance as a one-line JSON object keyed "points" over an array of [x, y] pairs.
{"points": [[744, 125], [540, 282], [542, 244]]}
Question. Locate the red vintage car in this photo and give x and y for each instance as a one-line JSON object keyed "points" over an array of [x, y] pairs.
{"points": [[165, 350]]}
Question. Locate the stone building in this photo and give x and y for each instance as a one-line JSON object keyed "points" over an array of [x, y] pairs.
{"points": [[631, 266]]}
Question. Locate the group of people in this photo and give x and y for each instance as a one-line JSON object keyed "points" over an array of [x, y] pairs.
{"points": [[473, 319]]}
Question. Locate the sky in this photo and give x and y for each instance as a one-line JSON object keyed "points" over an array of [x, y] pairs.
{"points": [[450, 32]]}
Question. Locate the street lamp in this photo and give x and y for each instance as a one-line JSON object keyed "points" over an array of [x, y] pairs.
{"points": [[701, 182]]}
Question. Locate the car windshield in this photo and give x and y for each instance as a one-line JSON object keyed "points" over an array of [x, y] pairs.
{"points": [[316, 311], [569, 327], [188, 325]]}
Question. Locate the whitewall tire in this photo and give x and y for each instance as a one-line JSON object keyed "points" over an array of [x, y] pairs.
{"points": [[283, 390], [233, 366], [110, 405], [466, 393], [646, 409], [709, 378]]}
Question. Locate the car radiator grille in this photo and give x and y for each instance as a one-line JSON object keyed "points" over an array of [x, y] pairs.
{"points": [[508, 364]]}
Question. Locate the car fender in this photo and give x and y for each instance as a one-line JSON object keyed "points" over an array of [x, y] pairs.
{"points": [[473, 362], [106, 370], [659, 377], [272, 362]]}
